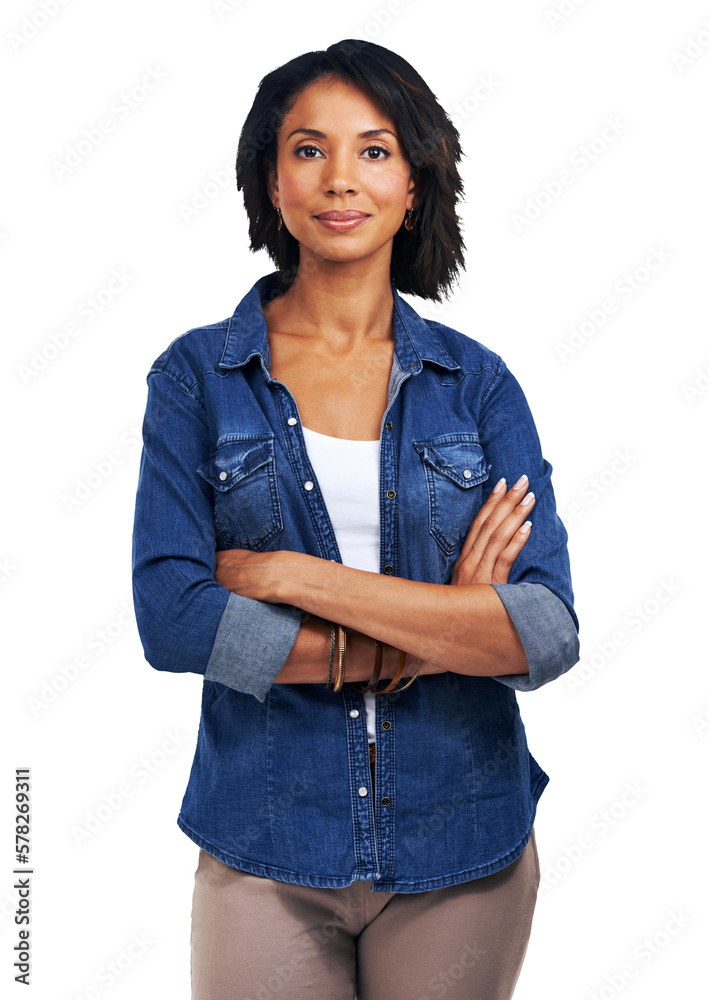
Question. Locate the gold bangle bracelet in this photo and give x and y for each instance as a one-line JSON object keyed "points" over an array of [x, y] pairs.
{"points": [[413, 677], [397, 676], [342, 655], [410, 680]]}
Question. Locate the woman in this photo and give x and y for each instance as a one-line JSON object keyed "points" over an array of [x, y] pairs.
{"points": [[331, 482]]}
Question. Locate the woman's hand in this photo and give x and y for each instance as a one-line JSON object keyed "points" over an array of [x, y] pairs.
{"points": [[495, 538], [260, 575]]}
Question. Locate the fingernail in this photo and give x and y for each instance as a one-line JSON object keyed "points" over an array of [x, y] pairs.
{"points": [[520, 482], [500, 486], [526, 499], [524, 530]]}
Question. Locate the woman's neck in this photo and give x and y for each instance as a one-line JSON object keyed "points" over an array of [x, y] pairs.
{"points": [[345, 303]]}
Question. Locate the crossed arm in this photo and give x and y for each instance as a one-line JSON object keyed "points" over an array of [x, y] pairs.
{"points": [[463, 627]]}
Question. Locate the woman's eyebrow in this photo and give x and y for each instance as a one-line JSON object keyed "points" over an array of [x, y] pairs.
{"points": [[370, 133]]}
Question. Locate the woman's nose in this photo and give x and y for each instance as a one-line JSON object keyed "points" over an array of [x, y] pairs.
{"points": [[340, 173]]}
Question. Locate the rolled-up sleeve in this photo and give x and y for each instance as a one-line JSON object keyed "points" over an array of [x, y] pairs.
{"points": [[546, 631], [538, 595], [252, 643], [187, 622]]}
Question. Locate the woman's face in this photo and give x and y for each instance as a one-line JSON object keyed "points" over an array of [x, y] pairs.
{"points": [[327, 164]]}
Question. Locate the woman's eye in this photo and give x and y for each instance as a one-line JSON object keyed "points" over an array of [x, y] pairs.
{"points": [[377, 149], [298, 150]]}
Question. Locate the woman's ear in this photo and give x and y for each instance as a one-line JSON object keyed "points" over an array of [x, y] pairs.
{"points": [[272, 182], [415, 187]]}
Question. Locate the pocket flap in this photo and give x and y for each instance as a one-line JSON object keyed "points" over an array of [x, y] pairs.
{"points": [[234, 458], [459, 457]]}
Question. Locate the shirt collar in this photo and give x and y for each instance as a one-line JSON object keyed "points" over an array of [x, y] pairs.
{"points": [[414, 341]]}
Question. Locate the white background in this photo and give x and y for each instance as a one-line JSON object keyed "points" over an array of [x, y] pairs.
{"points": [[622, 418]]}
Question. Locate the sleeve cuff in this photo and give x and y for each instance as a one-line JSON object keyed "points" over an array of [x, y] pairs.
{"points": [[252, 643], [546, 631]]}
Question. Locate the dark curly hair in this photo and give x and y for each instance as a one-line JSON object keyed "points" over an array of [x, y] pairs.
{"points": [[424, 261]]}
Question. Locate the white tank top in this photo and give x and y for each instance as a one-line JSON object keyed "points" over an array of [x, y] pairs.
{"points": [[348, 476]]}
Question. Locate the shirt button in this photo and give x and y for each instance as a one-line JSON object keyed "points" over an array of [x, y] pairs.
{"points": [[467, 473], [389, 425], [386, 725], [354, 713], [362, 790], [223, 475], [388, 569], [391, 494], [292, 421], [308, 486], [385, 800]]}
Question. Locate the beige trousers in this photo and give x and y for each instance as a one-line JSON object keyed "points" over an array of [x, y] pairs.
{"points": [[255, 938]]}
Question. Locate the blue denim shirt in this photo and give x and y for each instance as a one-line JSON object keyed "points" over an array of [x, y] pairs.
{"points": [[280, 785]]}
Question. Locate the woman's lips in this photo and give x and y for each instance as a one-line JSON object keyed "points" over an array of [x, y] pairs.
{"points": [[341, 221]]}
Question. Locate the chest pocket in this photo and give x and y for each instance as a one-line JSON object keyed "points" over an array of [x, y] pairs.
{"points": [[455, 469], [247, 508]]}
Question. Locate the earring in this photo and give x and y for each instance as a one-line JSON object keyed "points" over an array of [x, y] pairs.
{"points": [[280, 218], [409, 220]]}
